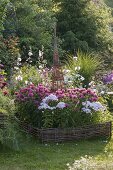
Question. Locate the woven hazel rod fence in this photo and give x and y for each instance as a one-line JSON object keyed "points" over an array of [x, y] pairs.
{"points": [[68, 134]]}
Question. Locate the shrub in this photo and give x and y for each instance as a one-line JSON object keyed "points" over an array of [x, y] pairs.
{"points": [[85, 65], [25, 75], [6, 104]]}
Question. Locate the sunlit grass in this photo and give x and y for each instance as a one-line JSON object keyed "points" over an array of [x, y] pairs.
{"points": [[35, 156]]}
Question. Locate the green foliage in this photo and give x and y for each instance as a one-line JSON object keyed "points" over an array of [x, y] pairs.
{"points": [[28, 112], [87, 28], [88, 64], [32, 22], [70, 118], [35, 26], [9, 52], [6, 104], [28, 75]]}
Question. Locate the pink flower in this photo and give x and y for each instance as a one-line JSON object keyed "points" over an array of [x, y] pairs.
{"points": [[30, 94]]}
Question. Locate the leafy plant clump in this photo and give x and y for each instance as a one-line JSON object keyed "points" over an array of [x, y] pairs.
{"points": [[85, 65]]}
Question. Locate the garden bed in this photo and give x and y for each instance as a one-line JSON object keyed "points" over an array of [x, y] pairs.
{"points": [[68, 134]]}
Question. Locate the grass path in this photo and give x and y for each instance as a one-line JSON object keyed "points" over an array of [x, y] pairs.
{"points": [[36, 156]]}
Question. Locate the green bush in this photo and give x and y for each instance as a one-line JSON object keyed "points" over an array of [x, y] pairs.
{"points": [[87, 64], [27, 74], [6, 104]]}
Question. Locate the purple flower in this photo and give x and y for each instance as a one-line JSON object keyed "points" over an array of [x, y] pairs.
{"points": [[107, 79], [30, 94]]}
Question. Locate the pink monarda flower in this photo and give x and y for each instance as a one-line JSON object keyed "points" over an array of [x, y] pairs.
{"points": [[16, 93], [31, 95], [5, 93], [94, 99], [60, 96], [81, 96]]}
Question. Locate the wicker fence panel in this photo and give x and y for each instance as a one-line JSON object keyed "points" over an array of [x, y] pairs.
{"points": [[68, 134], [3, 120]]}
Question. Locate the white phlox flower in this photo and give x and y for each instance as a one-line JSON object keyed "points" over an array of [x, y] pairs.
{"points": [[16, 68], [45, 103], [96, 106], [30, 53], [61, 105], [51, 97], [19, 59], [82, 78], [26, 82], [19, 78], [86, 110]]}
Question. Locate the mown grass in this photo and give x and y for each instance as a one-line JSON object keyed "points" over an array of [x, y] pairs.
{"points": [[35, 156]]}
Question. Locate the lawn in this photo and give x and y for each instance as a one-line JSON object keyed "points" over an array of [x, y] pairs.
{"points": [[35, 156]]}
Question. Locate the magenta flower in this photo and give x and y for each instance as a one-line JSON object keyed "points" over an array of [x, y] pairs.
{"points": [[31, 95]]}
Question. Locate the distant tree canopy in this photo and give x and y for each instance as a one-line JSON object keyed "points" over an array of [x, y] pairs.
{"points": [[81, 24], [84, 24], [31, 21]]}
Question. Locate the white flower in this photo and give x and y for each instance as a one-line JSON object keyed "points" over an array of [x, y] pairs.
{"points": [[91, 83], [26, 82], [51, 97], [16, 68], [19, 78], [78, 67], [18, 64], [75, 58], [40, 53], [96, 106], [82, 78], [94, 90], [61, 105], [102, 92], [19, 59], [30, 53], [86, 110], [40, 67], [43, 106]]}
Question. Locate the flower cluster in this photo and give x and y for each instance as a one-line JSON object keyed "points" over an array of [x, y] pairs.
{"points": [[108, 79], [45, 103], [88, 106], [48, 106], [76, 94], [32, 92]]}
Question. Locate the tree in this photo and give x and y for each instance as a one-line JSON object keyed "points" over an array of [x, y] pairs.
{"points": [[84, 24], [32, 22]]}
